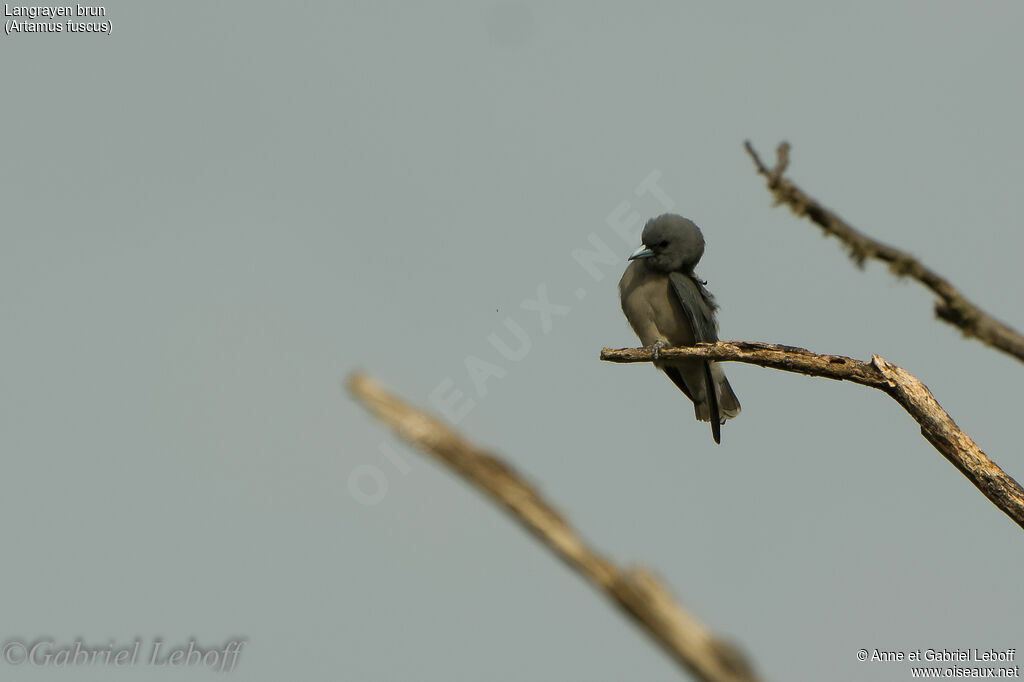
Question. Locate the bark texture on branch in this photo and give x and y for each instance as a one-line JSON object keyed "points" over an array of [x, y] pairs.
{"points": [[635, 590], [952, 306], [936, 425]]}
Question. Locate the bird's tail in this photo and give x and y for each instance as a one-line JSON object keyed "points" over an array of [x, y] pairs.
{"points": [[713, 413]]}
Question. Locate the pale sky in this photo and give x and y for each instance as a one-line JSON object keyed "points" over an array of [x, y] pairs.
{"points": [[215, 213]]}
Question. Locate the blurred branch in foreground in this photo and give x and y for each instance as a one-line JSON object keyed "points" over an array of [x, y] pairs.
{"points": [[635, 590], [952, 307], [936, 425]]}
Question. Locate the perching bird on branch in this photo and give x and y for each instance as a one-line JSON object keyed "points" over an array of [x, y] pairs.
{"points": [[667, 305]]}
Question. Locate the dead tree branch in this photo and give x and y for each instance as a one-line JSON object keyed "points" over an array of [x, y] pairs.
{"points": [[936, 425], [635, 590], [952, 306]]}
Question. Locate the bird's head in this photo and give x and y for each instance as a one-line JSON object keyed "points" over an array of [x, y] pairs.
{"points": [[671, 244]]}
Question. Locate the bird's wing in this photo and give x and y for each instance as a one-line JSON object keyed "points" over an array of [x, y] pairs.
{"points": [[698, 304], [677, 378], [699, 307]]}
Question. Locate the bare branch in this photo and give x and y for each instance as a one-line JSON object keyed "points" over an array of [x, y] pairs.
{"points": [[936, 425], [952, 306], [635, 590]]}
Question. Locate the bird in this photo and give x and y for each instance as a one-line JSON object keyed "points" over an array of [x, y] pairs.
{"points": [[667, 305]]}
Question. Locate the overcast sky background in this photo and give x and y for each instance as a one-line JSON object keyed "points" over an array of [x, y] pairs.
{"points": [[217, 212]]}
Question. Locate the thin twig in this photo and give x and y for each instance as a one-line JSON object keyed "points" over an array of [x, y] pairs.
{"points": [[635, 590], [952, 306], [936, 425]]}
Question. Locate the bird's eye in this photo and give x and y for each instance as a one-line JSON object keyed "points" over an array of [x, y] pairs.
{"points": [[663, 243]]}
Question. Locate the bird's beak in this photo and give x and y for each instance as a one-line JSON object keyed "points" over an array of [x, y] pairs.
{"points": [[642, 252]]}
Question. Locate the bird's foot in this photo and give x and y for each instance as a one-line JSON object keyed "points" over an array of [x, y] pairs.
{"points": [[656, 349]]}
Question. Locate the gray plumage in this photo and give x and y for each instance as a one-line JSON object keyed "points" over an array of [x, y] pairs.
{"points": [[667, 305]]}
